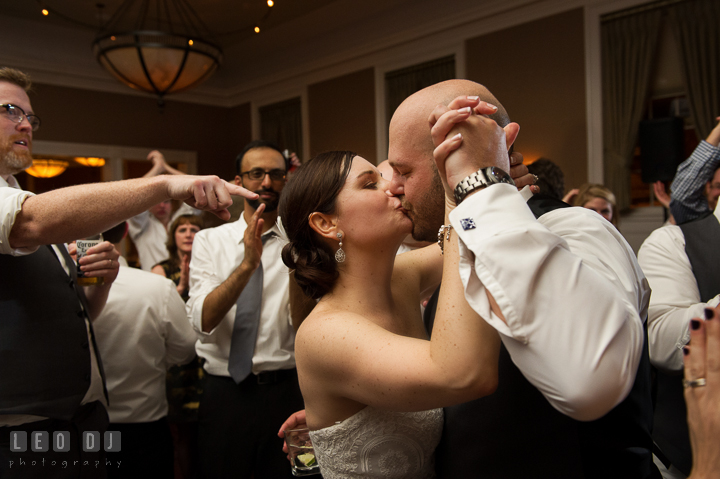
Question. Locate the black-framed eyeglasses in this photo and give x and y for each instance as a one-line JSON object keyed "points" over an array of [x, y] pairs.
{"points": [[16, 114], [259, 174]]}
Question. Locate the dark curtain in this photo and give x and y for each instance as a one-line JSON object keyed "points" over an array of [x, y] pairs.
{"points": [[400, 84], [696, 25], [281, 123], [628, 48]]}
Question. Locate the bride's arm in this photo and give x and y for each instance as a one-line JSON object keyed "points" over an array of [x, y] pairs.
{"points": [[344, 355], [420, 270]]}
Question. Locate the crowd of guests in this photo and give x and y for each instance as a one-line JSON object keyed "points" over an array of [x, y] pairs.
{"points": [[548, 356]]}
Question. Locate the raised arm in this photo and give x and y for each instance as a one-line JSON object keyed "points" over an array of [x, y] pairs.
{"points": [[160, 166], [687, 199], [358, 360], [422, 267], [63, 215], [218, 302], [534, 285]]}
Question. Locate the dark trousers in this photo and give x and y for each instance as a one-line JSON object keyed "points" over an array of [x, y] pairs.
{"points": [[238, 425], [146, 451], [74, 463], [185, 446]]}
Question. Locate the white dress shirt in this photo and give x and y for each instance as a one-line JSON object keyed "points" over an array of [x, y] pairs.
{"points": [[11, 200], [570, 290], [675, 299], [142, 331], [216, 253], [150, 235]]}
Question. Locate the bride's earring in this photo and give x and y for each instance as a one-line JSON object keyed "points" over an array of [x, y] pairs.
{"points": [[340, 254]]}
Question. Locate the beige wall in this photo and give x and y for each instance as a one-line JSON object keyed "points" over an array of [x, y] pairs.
{"points": [[537, 71], [342, 114], [82, 116]]}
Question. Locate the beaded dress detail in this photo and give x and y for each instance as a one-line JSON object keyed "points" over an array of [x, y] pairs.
{"points": [[380, 444]]}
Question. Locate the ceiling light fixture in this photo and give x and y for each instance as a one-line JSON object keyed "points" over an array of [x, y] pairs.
{"points": [[47, 168], [157, 46], [90, 161]]}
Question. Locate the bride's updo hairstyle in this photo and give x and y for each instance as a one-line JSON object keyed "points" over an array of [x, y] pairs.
{"points": [[314, 187]]}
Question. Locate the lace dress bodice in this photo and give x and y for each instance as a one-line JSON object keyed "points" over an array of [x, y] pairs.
{"points": [[380, 444]]}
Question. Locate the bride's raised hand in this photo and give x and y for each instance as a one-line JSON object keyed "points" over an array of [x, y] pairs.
{"points": [[443, 118]]}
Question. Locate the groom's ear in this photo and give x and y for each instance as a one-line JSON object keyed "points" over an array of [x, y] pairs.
{"points": [[511, 132], [323, 224]]}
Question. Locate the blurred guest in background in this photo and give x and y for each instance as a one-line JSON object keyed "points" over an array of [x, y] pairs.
{"points": [[179, 246], [550, 177], [142, 331], [184, 383], [148, 230], [594, 197], [696, 187]]}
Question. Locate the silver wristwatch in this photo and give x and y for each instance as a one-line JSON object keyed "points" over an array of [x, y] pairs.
{"points": [[480, 179]]}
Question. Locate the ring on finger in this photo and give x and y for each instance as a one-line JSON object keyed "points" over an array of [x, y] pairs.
{"points": [[536, 178], [694, 383]]}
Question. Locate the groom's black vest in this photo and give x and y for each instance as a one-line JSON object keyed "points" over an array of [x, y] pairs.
{"points": [[44, 348], [516, 433], [671, 433]]}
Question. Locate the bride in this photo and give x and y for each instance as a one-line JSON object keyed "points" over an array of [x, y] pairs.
{"points": [[372, 382]]}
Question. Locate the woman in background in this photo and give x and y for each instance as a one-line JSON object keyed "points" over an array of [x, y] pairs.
{"points": [[184, 383], [594, 197], [179, 244]]}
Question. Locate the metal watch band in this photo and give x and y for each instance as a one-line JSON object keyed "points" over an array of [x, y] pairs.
{"points": [[480, 179]]}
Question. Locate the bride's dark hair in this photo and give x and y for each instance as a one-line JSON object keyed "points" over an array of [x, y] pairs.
{"points": [[314, 187]]}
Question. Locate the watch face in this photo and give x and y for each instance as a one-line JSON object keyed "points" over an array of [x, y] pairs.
{"points": [[499, 175]]}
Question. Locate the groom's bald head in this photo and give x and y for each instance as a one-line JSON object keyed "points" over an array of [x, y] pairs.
{"points": [[411, 151]]}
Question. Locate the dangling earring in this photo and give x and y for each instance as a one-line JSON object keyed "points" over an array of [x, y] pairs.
{"points": [[340, 254]]}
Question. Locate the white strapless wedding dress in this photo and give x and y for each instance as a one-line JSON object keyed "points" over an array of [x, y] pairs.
{"points": [[380, 444]]}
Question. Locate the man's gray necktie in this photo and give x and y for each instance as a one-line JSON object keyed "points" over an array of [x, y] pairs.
{"points": [[247, 319]]}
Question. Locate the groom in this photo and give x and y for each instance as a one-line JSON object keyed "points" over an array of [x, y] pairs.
{"points": [[573, 399]]}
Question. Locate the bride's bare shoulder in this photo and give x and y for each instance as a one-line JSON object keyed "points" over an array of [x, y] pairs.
{"points": [[327, 327], [329, 319]]}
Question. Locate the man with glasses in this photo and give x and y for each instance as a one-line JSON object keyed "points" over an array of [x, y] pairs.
{"points": [[50, 372], [240, 306]]}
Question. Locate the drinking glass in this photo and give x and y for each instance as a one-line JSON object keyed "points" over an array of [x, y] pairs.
{"points": [[302, 454]]}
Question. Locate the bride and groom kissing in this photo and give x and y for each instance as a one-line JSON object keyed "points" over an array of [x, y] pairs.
{"points": [[537, 349]]}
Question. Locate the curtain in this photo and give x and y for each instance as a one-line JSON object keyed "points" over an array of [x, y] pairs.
{"points": [[400, 84], [697, 28], [281, 123], [628, 48]]}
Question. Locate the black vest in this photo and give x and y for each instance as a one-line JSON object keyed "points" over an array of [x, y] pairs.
{"points": [[44, 348], [702, 238], [516, 433]]}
